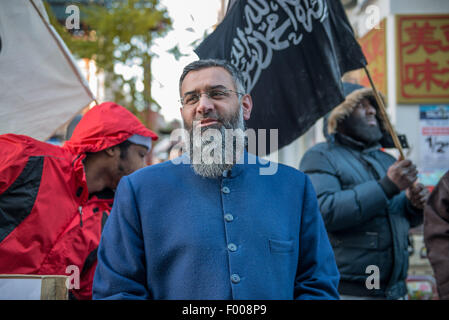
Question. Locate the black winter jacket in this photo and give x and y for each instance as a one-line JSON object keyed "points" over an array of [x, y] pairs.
{"points": [[365, 227]]}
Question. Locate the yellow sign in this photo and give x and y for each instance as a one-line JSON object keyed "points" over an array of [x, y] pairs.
{"points": [[422, 49], [374, 47]]}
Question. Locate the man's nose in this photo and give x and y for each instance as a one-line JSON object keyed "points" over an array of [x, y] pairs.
{"points": [[205, 104], [371, 110]]}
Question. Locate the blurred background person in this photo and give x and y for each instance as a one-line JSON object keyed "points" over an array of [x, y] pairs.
{"points": [[368, 199], [436, 234]]}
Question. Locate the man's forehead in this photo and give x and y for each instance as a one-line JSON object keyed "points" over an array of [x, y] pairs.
{"points": [[138, 147], [365, 101], [205, 78]]}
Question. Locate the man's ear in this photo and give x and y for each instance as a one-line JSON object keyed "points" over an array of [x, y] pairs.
{"points": [[247, 105], [112, 151]]}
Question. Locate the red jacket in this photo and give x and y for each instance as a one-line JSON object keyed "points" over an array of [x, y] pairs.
{"points": [[49, 224]]}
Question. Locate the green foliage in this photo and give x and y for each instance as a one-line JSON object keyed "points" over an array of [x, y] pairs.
{"points": [[120, 34]]}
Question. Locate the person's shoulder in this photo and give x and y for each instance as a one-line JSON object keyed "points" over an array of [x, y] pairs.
{"points": [[164, 170], [319, 150], [279, 171], [290, 171], [318, 156], [445, 180], [21, 146], [322, 147]]}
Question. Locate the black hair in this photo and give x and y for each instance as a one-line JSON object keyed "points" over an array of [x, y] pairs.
{"points": [[207, 63], [124, 146]]}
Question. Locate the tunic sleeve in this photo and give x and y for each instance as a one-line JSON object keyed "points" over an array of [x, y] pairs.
{"points": [[317, 274]]}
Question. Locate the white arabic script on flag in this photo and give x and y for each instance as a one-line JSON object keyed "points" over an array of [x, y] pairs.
{"points": [[253, 47]]}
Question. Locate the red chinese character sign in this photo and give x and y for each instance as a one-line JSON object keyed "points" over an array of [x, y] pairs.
{"points": [[375, 49], [422, 58]]}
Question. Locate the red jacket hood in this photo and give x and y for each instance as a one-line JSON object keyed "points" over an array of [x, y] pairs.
{"points": [[104, 126]]}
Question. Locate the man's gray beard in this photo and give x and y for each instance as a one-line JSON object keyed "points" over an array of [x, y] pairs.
{"points": [[211, 165]]}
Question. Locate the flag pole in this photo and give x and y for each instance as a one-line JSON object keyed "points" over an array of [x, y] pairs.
{"points": [[384, 116]]}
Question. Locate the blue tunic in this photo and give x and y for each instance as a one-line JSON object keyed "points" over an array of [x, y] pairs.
{"points": [[173, 234]]}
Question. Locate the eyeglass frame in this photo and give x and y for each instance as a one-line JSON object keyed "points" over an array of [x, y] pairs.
{"points": [[199, 94]]}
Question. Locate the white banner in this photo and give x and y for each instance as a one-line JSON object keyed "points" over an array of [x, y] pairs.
{"points": [[40, 85]]}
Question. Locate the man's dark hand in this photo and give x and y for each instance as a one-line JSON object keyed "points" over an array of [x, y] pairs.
{"points": [[418, 195], [403, 174]]}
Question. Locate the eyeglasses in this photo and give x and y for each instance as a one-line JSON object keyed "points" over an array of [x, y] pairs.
{"points": [[191, 99]]}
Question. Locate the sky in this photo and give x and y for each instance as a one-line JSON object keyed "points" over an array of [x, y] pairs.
{"points": [[190, 20]]}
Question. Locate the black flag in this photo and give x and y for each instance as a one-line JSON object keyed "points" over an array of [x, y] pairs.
{"points": [[292, 54]]}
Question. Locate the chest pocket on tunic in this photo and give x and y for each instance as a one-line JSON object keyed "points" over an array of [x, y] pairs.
{"points": [[280, 246]]}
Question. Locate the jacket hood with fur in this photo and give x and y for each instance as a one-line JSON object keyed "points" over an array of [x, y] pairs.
{"points": [[354, 94]]}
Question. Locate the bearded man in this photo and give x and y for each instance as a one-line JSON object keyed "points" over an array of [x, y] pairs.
{"points": [[368, 200], [209, 225]]}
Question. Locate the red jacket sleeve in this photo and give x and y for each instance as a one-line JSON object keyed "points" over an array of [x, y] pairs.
{"points": [[12, 160]]}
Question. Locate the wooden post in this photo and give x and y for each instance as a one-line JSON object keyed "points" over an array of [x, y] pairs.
{"points": [[384, 116]]}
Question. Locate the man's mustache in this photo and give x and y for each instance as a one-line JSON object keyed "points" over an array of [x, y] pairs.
{"points": [[209, 117]]}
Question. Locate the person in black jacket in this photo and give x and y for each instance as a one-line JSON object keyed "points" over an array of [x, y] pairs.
{"points": [[368, 200]]}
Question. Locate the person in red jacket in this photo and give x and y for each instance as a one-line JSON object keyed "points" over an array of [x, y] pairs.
{"points": [[55, 200]]}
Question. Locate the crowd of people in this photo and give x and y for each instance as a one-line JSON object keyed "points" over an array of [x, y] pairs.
{"points": [[185, 229]]}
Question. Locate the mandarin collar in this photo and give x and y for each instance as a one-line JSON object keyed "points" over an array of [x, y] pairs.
{"points": [[245, 159]]}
